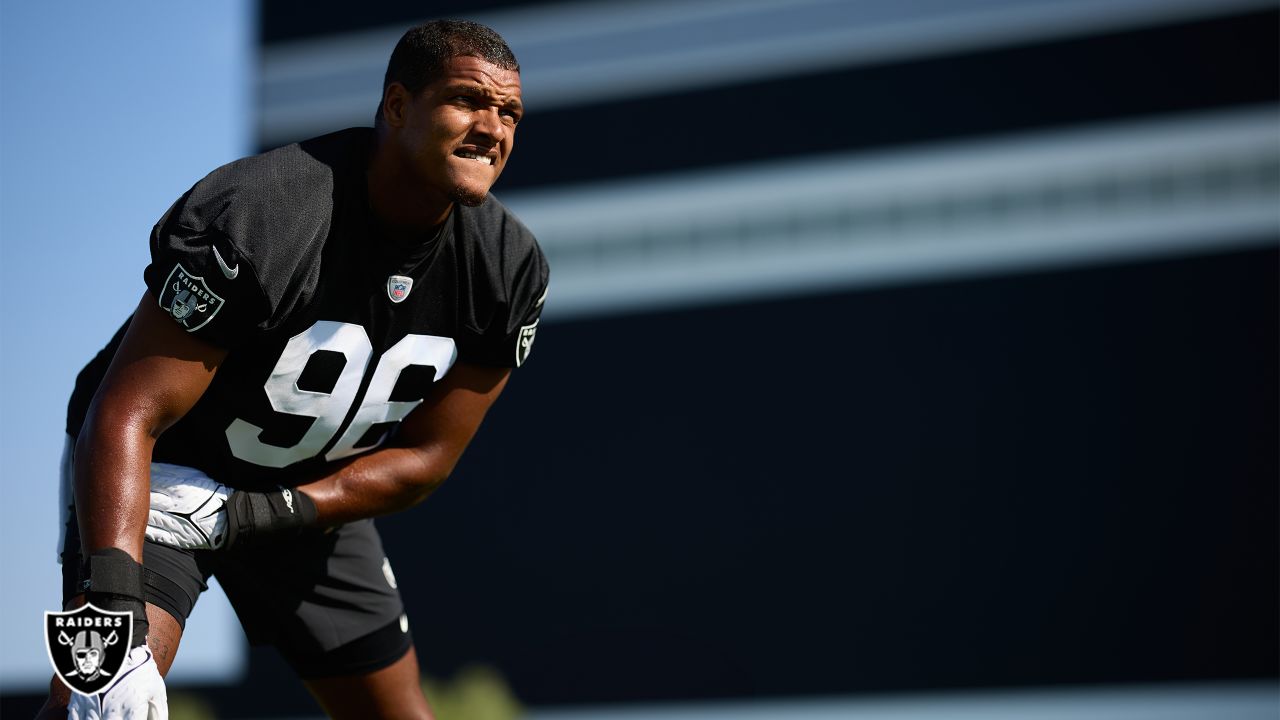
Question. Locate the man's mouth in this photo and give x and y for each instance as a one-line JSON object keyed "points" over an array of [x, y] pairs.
{"points": [[486, 159]]}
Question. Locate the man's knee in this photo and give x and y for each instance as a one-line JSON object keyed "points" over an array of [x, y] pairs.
{"points": [[163, 637], [394, 691]]}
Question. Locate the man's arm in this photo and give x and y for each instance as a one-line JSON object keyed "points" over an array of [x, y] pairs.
{"points": [[426, 448], [158, 374]]}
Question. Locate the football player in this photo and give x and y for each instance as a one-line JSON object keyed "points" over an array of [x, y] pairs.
{"points": [[324, 328]]}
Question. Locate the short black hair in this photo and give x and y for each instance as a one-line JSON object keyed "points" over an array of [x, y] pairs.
{"points": [[421, 54]]}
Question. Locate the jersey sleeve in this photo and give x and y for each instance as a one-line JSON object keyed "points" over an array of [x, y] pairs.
{"points": [[505, 335], [201, 278]]}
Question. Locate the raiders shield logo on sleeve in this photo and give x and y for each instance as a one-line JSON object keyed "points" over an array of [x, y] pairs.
{"points": [[525, 342], [87, 646], [188, 299]]}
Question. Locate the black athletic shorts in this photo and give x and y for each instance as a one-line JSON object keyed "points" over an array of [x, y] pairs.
{"points": [[327, 600]]}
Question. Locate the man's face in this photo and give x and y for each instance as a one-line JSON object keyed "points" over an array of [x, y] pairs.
{"points": [[459, 130]]}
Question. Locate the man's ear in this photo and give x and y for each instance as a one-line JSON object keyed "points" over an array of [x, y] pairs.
{"points": [[395, 105]]}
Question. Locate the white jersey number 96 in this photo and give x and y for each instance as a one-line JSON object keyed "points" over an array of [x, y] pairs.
{"points": [[331, 408]]}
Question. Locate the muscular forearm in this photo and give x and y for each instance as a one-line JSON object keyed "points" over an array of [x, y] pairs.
{"points": [[379, 483], [427, 447], [112, 497], [112, 471]]}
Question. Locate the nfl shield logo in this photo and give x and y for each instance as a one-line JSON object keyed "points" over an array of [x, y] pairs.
{"points": [[398, 287], [87, 646]]}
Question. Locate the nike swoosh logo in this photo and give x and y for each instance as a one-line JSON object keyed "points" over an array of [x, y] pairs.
{"points": [[230, 272]]}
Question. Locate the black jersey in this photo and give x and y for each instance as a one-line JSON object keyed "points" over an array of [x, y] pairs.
{"points": [[334, 331]]}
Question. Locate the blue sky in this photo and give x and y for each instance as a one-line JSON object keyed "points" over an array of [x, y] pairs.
{"points": [[107, 113]]}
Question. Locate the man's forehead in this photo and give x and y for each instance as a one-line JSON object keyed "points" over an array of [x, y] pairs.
{"points": [[481, 74]]}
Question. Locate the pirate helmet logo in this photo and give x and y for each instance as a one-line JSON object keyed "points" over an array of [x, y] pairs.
{"points": [[87, 646], [88, 650], [189, 299], [183, 305]]}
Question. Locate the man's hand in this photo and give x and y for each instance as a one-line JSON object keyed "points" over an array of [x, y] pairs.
{"points": [[187, 508], [137, 693], [192, 511], [255, 516]]}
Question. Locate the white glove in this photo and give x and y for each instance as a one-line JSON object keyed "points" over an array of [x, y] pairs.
{"points": [[187, 508], [136, 694]]}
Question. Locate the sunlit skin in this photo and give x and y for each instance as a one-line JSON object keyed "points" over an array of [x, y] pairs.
{"points": [[419, 168]]}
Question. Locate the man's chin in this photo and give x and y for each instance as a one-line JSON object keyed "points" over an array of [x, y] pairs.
{"points": [[471, 197]]}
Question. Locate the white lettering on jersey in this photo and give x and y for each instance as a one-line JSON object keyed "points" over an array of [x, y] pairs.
{"points": [[329, 409]]}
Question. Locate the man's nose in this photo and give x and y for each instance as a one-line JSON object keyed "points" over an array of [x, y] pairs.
{"points": [[488, 122]]}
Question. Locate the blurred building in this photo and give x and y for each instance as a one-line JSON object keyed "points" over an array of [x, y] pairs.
{"points": [[890, 346]]}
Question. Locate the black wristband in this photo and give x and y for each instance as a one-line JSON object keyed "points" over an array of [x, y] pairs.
{"points": [[113, 581], [253, 516]]}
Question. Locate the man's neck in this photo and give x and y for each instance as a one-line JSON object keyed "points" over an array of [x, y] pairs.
{"points": [[402, 206]]}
